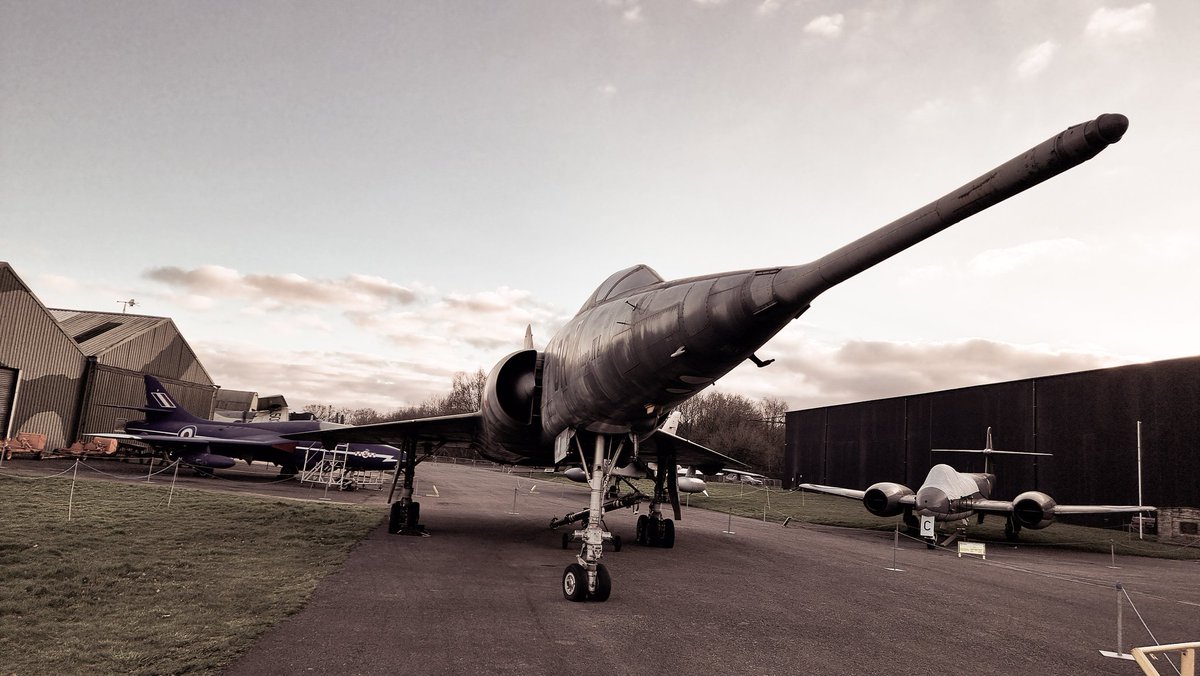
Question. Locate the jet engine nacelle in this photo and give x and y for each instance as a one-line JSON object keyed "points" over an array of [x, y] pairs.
{"points": [[1033, 509], [883, 499], [509, 397]]}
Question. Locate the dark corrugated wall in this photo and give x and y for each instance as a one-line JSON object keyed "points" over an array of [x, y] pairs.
{"points": [[50, 363], [123, 387], [1087, 420]]}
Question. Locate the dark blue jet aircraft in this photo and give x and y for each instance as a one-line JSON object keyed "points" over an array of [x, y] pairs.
{"points": [[640, 345], [217, 445]]}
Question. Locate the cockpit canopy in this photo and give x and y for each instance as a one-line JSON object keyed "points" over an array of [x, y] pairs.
{"points": [[623, 283]]}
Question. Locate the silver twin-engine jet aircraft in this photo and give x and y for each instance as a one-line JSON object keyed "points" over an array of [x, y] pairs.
{"points": [[640, 345], [950, 495]]}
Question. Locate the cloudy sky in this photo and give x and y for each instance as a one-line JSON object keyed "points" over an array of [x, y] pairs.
{"points": [[348, 202]]}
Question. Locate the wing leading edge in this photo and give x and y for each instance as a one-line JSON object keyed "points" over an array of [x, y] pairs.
{"points": [[667, 446], [454, 430]]}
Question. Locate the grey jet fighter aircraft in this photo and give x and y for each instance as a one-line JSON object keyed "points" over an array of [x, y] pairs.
{"points": [[211, 444], [950, 495], [640, 345]]}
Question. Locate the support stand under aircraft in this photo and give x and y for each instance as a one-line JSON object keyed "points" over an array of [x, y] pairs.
{"points": [[640, 345]]}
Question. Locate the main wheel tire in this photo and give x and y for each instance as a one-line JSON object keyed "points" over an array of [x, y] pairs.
{"points": [[667, 541], [414, 515], [603, 584], [1011, 530], [574, 583], [616, 542], [566, 540], [642, 528], [396, 518]]}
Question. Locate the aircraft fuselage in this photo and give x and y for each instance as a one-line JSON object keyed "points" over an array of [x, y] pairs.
{"points": [[641, 345]]}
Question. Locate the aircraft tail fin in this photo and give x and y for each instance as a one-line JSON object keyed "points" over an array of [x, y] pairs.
{"points": [[528, 344], [161, 406]]}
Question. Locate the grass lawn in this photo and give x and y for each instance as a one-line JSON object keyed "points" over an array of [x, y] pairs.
{"points": [[133, 585], [830, 510], [835, 511]]}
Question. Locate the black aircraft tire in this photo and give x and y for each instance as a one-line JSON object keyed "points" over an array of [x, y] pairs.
{"points": [[668, 534], [566, 540], [396, 518], [574, 583], [414, 515], [616, 542], [1012, 530], [642, 530], [603, 584]]}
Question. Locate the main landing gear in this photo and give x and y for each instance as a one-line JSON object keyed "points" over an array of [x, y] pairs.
{"points": [[405, 515], [653, 532], [1012, 529], [653, 529]]}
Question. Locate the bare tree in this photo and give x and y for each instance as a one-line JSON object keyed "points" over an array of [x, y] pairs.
{"points": [[738, 427], [365, 416], [466, 393], [328, 412]]}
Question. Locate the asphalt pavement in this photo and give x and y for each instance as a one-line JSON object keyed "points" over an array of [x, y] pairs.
{"points": [[481, 593]]}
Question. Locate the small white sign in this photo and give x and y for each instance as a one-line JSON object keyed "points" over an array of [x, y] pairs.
{"points": [[976, 548], [562, 445], [927, 527]]}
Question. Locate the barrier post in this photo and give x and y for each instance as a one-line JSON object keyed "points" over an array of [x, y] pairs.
{"points": [[173, 478], [71, 500], [895, 548]]}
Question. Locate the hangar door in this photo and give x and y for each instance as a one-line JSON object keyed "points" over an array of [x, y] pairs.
{"points": [[8, 392]]}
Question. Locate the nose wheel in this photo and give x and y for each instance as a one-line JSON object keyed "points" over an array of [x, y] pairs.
{"points": [[578, 584], [587, 579]]}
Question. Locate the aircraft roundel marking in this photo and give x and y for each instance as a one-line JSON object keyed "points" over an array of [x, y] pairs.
{"points": [[188, 431]]}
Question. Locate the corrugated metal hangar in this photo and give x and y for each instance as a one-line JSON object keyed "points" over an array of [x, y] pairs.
{"points": [[1087, 420], [58, 367]]}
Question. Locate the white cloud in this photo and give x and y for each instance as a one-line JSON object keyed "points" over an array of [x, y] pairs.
{"points": [[352, 292], [768, 7], [293, 332], [933, 110], [808, 373], [1124, 22], [827, 25], [1036, 59], [994, 262], [57, 283]]}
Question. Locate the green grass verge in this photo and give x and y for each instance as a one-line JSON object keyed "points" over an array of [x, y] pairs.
{"points": [[131, 585], [835, 511]]}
